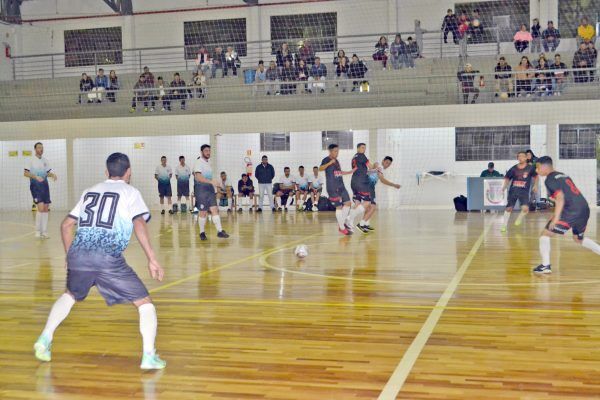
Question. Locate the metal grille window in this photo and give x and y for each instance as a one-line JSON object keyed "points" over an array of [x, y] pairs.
{"points": [[275, 141], [213, 33], [578, 141], [344, 139], [491, 143], [98, 46], [321, 29]]}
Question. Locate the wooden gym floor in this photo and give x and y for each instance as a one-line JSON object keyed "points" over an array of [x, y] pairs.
{"points": [[433, 305]]}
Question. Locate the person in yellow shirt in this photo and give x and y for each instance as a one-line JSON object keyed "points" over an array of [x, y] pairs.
{"points": [[585, 31]]}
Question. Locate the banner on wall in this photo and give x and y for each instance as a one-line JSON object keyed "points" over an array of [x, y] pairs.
{"points": [[139, 146], [26, 153], [13, 153], [493, 193]]}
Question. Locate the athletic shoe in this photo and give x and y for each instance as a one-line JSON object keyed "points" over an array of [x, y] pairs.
{"points": [[279, 209], [315, 208], [171, 212], [518, 222], [43, 348], [152, 361], [250, 209], [195, 211], [349, 227], [145, 109], [222, 235], [345, 232], [151, 109], [162, 212], [132, 110], [163, 109], [542, 269], [285, 209], [362, 228], [369, 227], [240, 209], [38, 235], [34, 207], [203, 236], [273, 209], [503, 229], [44, 236], [259, 209]]}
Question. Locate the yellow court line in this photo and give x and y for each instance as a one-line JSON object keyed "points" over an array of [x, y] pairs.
{"points": [[231, 264], [16, 237]]}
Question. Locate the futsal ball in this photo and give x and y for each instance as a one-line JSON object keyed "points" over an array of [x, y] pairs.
{"points": [[476, 23], [301, 251], [504, 96]]}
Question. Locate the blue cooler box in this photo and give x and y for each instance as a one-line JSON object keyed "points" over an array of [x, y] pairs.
{"points": [[249, 76]]}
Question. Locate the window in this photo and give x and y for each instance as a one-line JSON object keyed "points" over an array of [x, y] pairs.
{"points": [[213, 33], [321, 29], [491, 143], [275, 141], [505, 15], [570, 13], [578, 141], [344, 139], [99, 46]]}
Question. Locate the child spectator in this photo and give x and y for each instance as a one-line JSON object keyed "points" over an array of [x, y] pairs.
{"points": [[536, 36], [162, 94], [232, 61], [199, 83], [113, 86], [274, 77], [260, 78], [381, 48], [85, 85]]}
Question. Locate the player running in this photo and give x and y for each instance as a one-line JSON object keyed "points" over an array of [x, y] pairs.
{"points": [[105, 216], [520, 178], [376, 175], [182, 175], [163, 175], [338, 195], [38, 170], [361, 187], [571, 211]]}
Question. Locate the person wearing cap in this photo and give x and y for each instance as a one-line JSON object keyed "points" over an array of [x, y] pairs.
{"points": [[490, 172], [551, 38]]}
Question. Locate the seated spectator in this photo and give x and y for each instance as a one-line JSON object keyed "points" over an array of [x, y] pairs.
{"points": [[232, 61], [476, 27], [543, 78], [113, 86], [318, 73], [536, 36], [551, 38], [178, 90], [581, 60], [306, 53], [260, 78], [490, 172], [218, 62], [245, 191], [273, 76], [341, 71], [356, 72], [466, 78], [558, 75], [522, 39], [463, 25], [101, 84], [225, 194], [450, 25], [199, 84], [523, 75], [381, 49], [338, 57], [142, 94], [316, 188], [284, 54], [398, 52], [303, 73], [203, 60], [285, 190], [503, 78], [162, 94], [288, 74], [413, 52], [85, 86], [149, 76], [586, 31]]}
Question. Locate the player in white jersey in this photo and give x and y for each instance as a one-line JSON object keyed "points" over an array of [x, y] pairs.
{"points": [[316, 188], [302, 189], [375, 175], [38, 171], [205, 192], [182, 174], [105, 217], [285, 190], [163, 174]]}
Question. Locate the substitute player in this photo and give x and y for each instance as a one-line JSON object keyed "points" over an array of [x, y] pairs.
{"points": [[571, 211], [285, 191], [520, 178], [38, 170], [302, 188], [205, 193], [246, 191], [376, 175], [361, 186], [316, 188], [105, 216], [182, 175], [163, 174], [338, 195]]}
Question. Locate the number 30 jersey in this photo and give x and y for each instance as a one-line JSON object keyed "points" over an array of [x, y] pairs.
{"points": [[105, 215]]}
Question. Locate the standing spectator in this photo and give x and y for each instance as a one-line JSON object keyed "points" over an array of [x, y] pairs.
{"points": [[141, 93], [523, 76], [356, 72], [551, 38], [398, 52], [232, 61], [264, 174], [531, 158], [260, 78], [503, 78], [273, 76], [318, 73], [306, 53], [593, 59], [543, 81], [586, 31], [284, 54], [178, 90], [536, 36], [85, 85], [303, 73], [288, 74], [203, 60], [466, 78], [341, 71], [101, 84], [381, 49], [558, 75], [582, 59], [199, 84], [113, 86], [450, 24], [522, 39], [162, 94], [338, 57], [413, 52], [218, 62], [149, 76]]}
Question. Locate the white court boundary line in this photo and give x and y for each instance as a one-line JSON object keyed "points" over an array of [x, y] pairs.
{"points": [[396, 381]]}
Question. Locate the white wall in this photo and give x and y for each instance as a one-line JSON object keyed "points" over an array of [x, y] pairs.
{"points": [[15, 188], [7, 37]]}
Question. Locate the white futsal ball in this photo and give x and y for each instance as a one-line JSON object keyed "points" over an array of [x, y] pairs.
{"points": [[301, 251]]}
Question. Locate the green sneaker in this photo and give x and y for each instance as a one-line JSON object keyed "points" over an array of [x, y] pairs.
{"points": [[152, 361], [42, 349], [503, 229]]}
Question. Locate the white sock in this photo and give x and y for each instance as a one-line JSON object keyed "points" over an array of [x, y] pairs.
{"points": [[148, 326], [346, 212], [162, 206], [216, 219], [355, 212], [520, 217], [363, 222], [38, 222], [545, 250], [506, 218], [59, 312], [289, 201], [339, 215], [44, 222], [590, 244], [202, 223]]}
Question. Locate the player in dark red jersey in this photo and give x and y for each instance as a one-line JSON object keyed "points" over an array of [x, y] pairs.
{"points": [[571, 211], [338, 195], [520, 178]]}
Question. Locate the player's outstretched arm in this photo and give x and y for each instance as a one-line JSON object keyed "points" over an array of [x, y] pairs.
{"points": [[325, 166], [141, 233], [388, 183], [349, 172], [66, 231]]}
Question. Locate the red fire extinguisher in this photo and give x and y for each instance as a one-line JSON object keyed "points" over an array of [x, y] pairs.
{"points": [[7, 50]]}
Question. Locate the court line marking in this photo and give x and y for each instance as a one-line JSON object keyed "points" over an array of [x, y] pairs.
{"points": [[396, 382], [230, 264], [17, 237], [14, 266]]}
